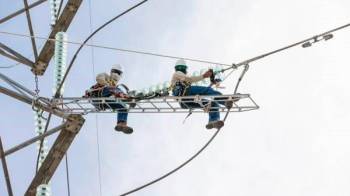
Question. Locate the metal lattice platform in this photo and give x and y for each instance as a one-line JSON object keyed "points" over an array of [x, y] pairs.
{"points": [[168, 104]]}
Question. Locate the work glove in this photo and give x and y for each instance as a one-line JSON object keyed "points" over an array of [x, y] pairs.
{"points": [[208, 73], [122, 95]]}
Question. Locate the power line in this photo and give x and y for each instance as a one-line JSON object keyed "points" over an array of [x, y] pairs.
{"points": [[310, 40], [121, 49], [180, 166], [89, 37], [67, 175], [199, 151], [246, 64], [96, 117]]}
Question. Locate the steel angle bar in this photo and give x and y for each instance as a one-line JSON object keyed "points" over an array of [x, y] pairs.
{"points": [[18, 90], [34, 139], [35, 103], [17, 55], [21, 11], [4, 167], [156, 105], [2, 52], [252, 100], [12, 82], [81, 107], [170, 106], [159, 98], [31, 31]]}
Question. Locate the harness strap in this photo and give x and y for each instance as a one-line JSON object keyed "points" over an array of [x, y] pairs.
{"points": [[124, 86]]}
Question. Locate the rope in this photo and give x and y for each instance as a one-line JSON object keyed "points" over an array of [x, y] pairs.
{"points": [[96, 117], [121, 49]]}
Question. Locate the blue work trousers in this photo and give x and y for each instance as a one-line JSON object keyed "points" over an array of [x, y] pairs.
{"points": [[214, 113], [122, 111]]}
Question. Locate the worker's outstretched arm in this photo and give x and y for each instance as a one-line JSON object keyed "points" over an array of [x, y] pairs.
{"points": [[179, 76]]}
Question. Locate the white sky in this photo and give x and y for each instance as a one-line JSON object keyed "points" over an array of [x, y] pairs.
{"points": [[296, 144]]}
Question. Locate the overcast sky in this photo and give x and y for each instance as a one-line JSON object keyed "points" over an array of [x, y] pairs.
{"points": [[296, 144]]}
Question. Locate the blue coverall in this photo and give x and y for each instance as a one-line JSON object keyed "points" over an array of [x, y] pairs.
{"points": [[121, 108], [214, 113]]}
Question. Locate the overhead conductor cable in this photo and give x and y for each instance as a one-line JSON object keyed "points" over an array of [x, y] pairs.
{"points": [[324, 36]]}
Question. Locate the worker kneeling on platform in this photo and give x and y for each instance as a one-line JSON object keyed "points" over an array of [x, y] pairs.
{"points": [[181, 86], [106, 86]]}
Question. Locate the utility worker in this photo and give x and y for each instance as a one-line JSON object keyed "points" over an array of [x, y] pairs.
{"points": [[106, 86], [181, 86]]}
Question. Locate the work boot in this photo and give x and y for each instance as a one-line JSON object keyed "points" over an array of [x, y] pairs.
{"points": [[228, 104], [123, 128], [215, 124]]}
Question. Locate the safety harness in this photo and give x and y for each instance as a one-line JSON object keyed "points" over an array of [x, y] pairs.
{"points": [[182, 88], [96, 92]]}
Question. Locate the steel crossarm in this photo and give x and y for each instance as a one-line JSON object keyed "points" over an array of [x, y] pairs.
{"points": [[27, 96], [20, 88], [6, 172], [21, 11], [40, 102], [167, 104], [14, 55]]}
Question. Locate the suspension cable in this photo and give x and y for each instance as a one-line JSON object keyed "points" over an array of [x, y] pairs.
{"points": [[67, 174], [146, 53], [180, 166], [96, 117], [234, 66], [122, 49], [244, 71], [312, 39], [200, 150]]}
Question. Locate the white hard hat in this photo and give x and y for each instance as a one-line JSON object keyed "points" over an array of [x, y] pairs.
{"points": [[180, 65], [116, 73], [117, 68], [102, 78], [180, 62]]}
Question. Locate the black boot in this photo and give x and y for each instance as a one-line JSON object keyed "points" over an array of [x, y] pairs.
{"points": [[125, 129], [215, 124], [229, 104]]}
